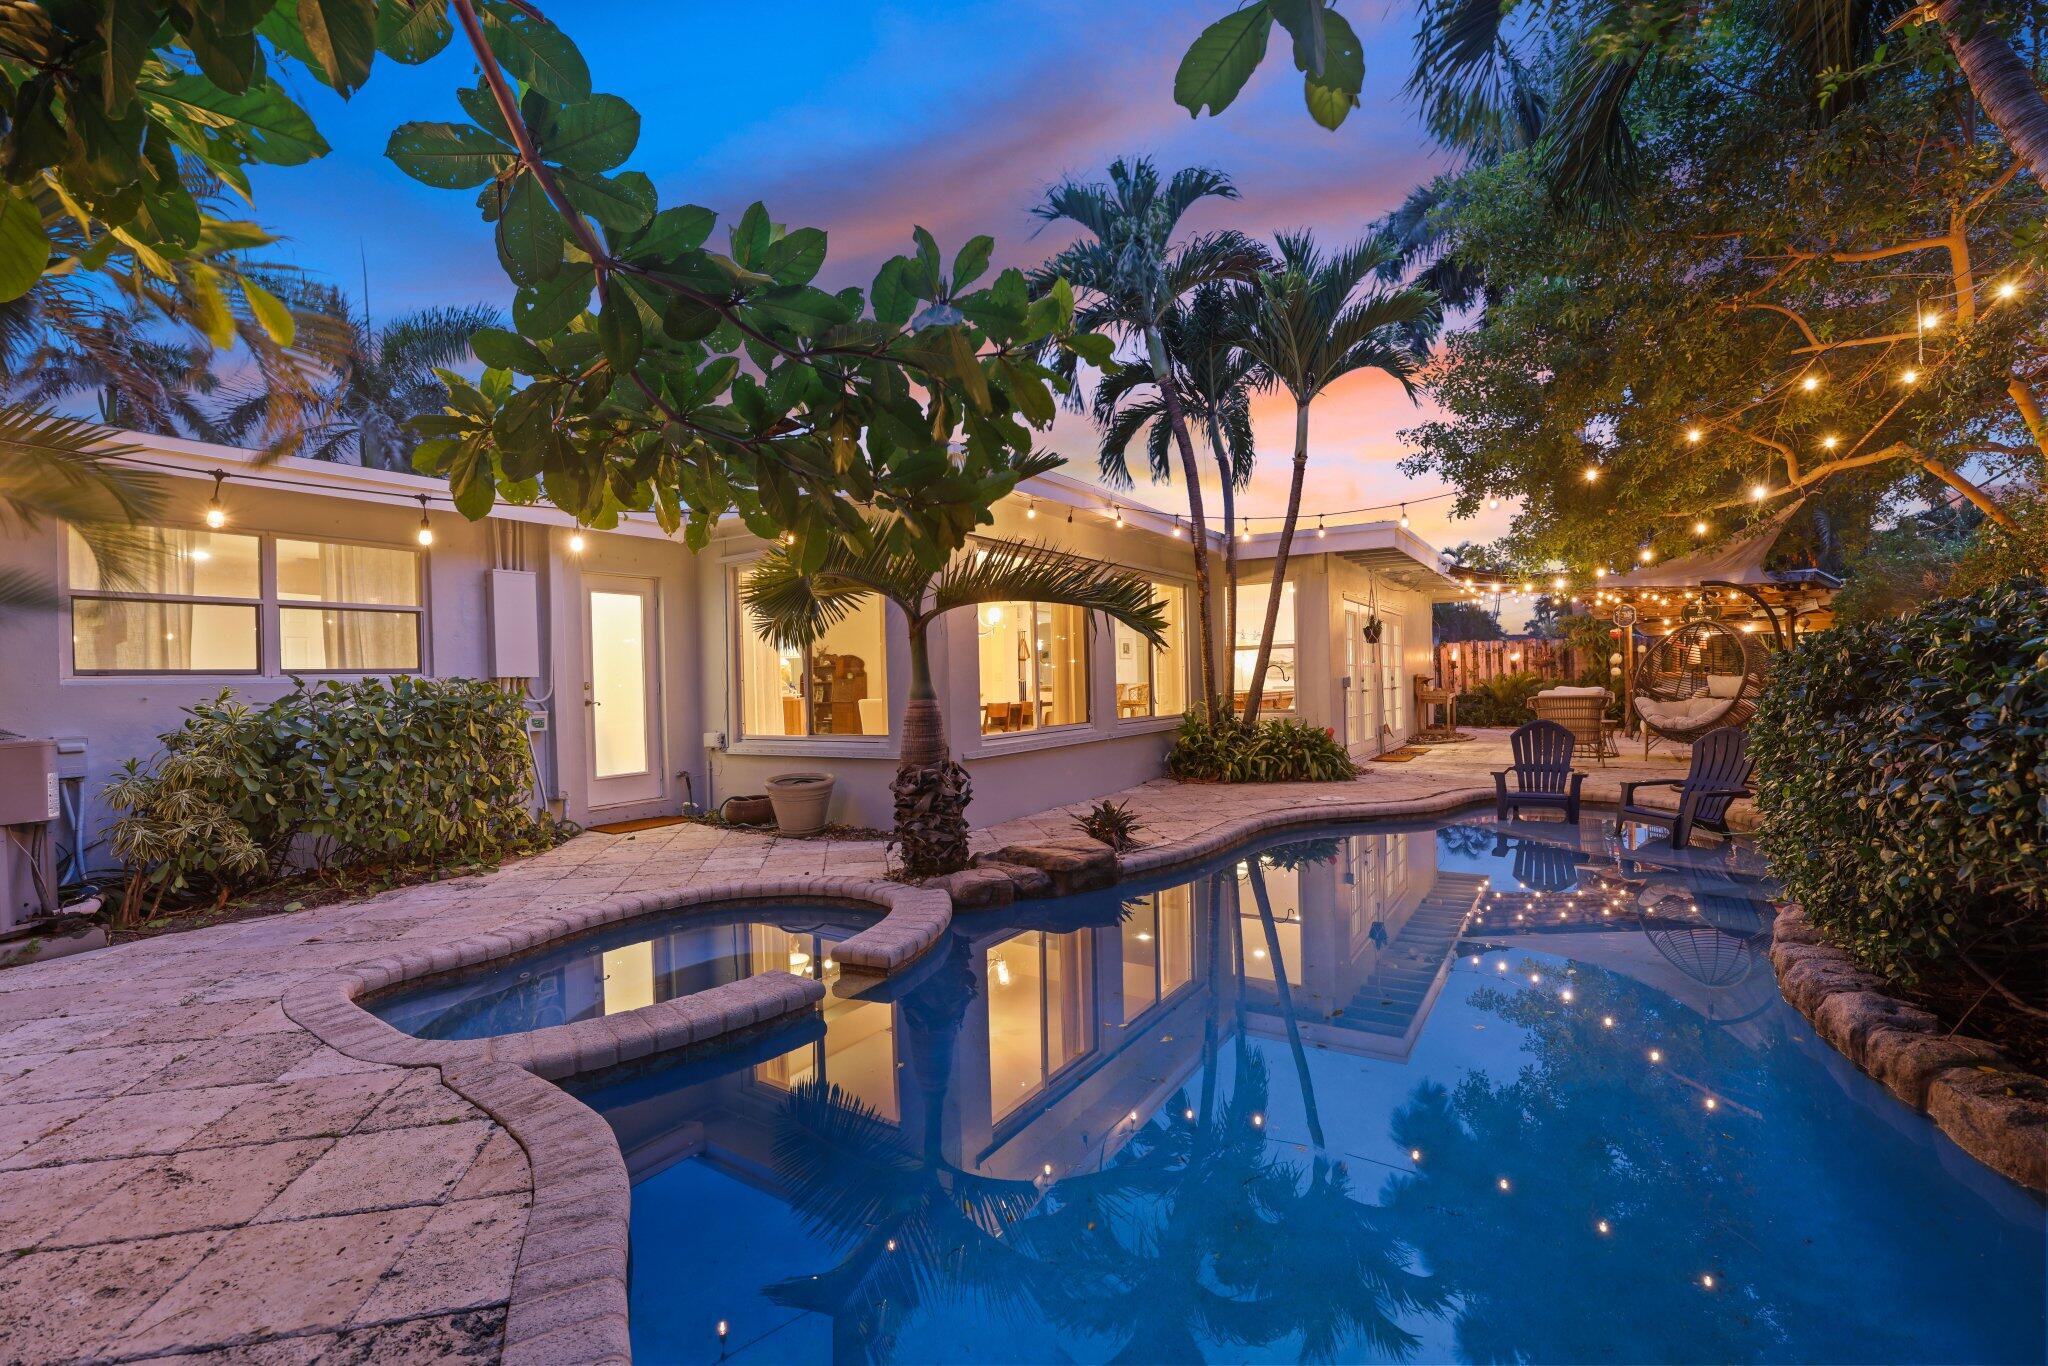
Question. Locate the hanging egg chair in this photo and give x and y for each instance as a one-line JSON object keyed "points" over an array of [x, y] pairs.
{"points": [[1703, 675]]}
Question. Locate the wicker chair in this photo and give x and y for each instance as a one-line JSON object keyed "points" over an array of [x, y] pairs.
{"points": [[1583, 712], [1702, 676]]}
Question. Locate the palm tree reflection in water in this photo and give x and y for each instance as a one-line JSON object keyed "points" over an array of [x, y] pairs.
{"points": [[1197, 1236]]}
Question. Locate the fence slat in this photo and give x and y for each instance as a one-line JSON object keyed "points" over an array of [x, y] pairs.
{"points": [[1467, 664]]}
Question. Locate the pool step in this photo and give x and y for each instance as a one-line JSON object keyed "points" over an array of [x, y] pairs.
{"points": [[1410, 967]]}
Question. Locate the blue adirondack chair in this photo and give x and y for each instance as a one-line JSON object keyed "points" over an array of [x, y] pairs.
{"points": [[1542, 770], [1719, 774]]}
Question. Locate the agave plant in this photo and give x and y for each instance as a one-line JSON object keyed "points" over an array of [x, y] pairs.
{"points": [[795, 605]]}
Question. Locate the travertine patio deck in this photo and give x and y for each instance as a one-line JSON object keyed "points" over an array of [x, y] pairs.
{"points": [[183, 1168]]}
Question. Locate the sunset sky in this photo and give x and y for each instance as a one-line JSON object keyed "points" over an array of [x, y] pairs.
{"points": [[865, 118]]}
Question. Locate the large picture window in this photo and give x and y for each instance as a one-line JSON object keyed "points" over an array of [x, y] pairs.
{"points": [[1153, 681], [201, 602], [1041, 1012], [1158, 948], [1034, 666], [1278, 694], [837, 687]]}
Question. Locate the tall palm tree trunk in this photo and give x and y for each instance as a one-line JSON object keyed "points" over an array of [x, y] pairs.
{"points": [[924, 726], [1225, 473], [1251, 705], [2000, 81], [1205, 608]]}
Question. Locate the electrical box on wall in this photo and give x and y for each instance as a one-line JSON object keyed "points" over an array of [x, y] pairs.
{"points": [[515, 623]]}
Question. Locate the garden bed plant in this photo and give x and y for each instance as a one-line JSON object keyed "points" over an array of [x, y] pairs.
{"points": [[1223, 749]]}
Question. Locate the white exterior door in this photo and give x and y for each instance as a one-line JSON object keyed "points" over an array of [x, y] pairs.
{"points": [[621, 690], [1360, 727]]}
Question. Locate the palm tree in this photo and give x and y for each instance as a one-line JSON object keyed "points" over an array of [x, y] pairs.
{"points": [[1309, 323], [1472, 83], [1216, 380], [795, 606], [69, 471], [381, 378], [1131, 274]]}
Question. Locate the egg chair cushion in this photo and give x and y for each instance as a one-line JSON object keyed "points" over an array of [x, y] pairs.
{"points": [[1726, 686], [1694, 714]]}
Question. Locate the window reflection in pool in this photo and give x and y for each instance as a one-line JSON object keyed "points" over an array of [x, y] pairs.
{"points": [[1447, 1092]]}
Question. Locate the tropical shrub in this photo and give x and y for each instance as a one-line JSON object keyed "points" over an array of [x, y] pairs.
{"points": [[1275, 750], [406, 772], [1901, 773], [1111, 823], [1501, 701]]}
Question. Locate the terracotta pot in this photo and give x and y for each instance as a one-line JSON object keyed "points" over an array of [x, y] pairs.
{"points": [[754, 810], [801, 800]]}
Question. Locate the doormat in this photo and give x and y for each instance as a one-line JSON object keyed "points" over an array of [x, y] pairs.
{"points": [[1398, 756], [631, 827]]}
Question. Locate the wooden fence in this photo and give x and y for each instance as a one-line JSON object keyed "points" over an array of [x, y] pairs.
{"points": [[1469, 663]]}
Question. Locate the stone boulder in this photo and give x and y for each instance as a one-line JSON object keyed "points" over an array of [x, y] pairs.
{"points": [[976, 888], [1998, 1116], [1073, 865], [1030, 882]]}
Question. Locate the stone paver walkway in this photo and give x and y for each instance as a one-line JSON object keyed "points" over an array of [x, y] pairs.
{"points": [[184, 1169]]}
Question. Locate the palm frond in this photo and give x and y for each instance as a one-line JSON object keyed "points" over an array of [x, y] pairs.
{"points": [[1017, 571], [66, 470], [793, 606]]}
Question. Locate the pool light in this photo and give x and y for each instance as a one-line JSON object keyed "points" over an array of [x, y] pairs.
{"points": [[1503, 1183], [1602, 1226], [1656, 1055], [1415, 1154]]}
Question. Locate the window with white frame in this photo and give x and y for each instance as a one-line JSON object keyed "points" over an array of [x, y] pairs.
{"points": [[1152, 680], [186, 601], [837, 686], [1034, 666], [1278, 693]]}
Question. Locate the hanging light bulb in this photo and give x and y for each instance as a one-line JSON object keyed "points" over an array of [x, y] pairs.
{"points": [[575, 543], [1591, 474], [1176, 528], [1031, 510], [1493, 503], [1929, 321], [1244, 529], [1404, 516], [1646, 554], [1909, 376], [789, 538], [425, 535], [1828, 443], [1600, 573], [1699, 528], [2007, 289], [1759, 492], [1119, 517], [216, 515], [1694, 434], [1558, 582], [1322, 532], [1810, 383]]}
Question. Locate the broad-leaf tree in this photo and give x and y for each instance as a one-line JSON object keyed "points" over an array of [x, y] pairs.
{"points": [[796, 597], [1132, 274], [1313, 319]]}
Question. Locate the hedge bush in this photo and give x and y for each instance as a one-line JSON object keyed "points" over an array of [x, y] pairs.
{"points": [[1902, 777], [410, 772], [1275, 750]]}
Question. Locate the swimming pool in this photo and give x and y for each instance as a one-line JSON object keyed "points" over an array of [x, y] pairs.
{"points": [[622, 967], [1445, 1091]]}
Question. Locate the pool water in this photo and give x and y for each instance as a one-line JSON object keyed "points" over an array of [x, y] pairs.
{"points": [[1429, 1092], [622, 967]]}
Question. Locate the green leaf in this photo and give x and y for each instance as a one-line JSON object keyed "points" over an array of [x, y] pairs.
{"points": [[750, 236], [24, 246], [538, 53], [263, 121], [673, 231], [891, 297], [1222, 59], [547, 308], [803, 310], [927, 281], [413, 31], [1334, 94], [341, 35], [596, 135], [618, 331], [448, 156], [472, 481], [502, 350], [127, 30], [623, 203], [530, 234], [270, 313], [972, 261], [796, 258]]}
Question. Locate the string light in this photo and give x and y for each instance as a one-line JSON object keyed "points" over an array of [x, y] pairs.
{"points": [[1492, 504], [1592, 474], [1404, 516], [1244, 531], [1929, 321], [789, 538], [1828, 443], [1759, 492], [1176, 528], [1119, 514], [1699, 528], [1601, 572], [217, 515], [2007, 289], [425, 535], [1646, 554], [1909, 376], [1031, 511], [575, 543], [1322, 532], [1558, 582], [1693, 434], [1810, 383]]}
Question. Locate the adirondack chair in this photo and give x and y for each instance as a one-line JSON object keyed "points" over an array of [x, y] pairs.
{"points": [[1538, 866], [1719, 774], [1543, 771]]}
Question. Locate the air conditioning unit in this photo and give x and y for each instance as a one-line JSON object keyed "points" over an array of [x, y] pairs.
{"points": [[28, 808]]}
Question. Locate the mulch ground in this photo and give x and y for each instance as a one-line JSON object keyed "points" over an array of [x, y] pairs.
{"points": [[1963, 1002]]}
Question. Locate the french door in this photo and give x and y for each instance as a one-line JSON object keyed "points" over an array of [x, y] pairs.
{"points": [[622, 690], [1361, 724]]}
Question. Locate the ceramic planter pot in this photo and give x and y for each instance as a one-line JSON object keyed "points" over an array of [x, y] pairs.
{"points": [[752, 810], [800, 800]]}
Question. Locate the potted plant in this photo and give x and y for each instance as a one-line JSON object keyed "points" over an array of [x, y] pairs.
{"points": [[800, 801]]}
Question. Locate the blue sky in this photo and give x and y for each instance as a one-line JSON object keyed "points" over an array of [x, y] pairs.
{"points": [[865, 118]]}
